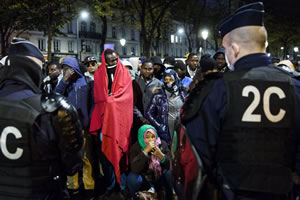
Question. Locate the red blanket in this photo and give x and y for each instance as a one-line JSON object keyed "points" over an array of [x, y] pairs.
{"points": [[114, 114]]}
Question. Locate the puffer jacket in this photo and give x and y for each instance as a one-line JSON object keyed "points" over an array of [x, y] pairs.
{"points": [[157, 113]]}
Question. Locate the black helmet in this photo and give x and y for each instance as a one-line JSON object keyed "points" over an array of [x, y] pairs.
{"points": [[89, 59]]}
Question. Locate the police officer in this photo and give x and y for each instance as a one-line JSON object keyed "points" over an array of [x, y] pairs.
{"points": [[245, 130], [40, 135]]}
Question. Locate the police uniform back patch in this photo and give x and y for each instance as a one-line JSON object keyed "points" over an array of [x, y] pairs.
{"points": [[16, 120], [260, 103]]}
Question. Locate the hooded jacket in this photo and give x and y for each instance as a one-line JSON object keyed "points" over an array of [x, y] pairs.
{"points": [[157, 61], [158, 110], [76, 92]]}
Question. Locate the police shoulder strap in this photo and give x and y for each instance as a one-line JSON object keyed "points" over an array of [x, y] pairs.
{"points": [[35, 103]]}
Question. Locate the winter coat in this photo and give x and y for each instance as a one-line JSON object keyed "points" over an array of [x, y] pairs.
{"points": [[157, 113], [76, 92], [147, 90]]}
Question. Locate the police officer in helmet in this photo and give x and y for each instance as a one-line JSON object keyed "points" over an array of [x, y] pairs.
{"points": [[246, 129], [40, 135]]}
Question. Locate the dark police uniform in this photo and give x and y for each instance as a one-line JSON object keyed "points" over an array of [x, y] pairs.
{"points": [[242, 140], [245, 130], [40, 135]]}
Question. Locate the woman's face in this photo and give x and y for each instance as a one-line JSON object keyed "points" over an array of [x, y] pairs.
{"points": [[149, 137], [168, 79]]}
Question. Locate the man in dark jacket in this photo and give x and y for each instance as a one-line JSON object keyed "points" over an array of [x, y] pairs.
{"points": [[74, 87], [159, 68], [41, 136], [148, 83], [192, 65], [246, 128], [54, 76], [169, 62], [210, 73], [180, 68], [220, 60]]}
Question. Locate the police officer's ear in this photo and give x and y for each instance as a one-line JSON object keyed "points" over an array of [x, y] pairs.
{"points": [[236, 49]]}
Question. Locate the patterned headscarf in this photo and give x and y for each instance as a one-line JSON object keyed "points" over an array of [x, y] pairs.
{"points": [[176, 84]]}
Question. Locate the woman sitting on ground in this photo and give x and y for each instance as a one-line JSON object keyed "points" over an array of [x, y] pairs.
{"points": [[149, 161]]}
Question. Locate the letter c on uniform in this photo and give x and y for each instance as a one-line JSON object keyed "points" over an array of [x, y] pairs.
{"points": [[10, 130]]}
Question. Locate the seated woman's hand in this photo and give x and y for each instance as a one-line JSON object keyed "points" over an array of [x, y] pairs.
{"points": [[150, 146], [157, 152]]}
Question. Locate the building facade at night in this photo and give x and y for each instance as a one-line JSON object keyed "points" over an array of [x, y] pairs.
{"points": [[83, 36]]}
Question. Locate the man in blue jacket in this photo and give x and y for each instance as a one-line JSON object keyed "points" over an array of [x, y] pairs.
{"points": [[246, 130], [74, 87]]}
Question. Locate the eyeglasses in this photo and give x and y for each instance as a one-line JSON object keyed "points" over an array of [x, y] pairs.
{"points": [[92, 64]]}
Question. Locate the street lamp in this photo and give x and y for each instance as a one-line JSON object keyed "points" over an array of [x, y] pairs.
{"points": [[204, 35], [282, 52], [296, 50], [122, 42], [83, 15], [181, 31]]}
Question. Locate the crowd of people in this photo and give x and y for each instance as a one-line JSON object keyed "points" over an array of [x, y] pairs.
{"points": [[220, 126]]}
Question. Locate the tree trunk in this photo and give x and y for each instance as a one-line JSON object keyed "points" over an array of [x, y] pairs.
{"points": [[141, 45], [190, 43], [104, 34], [198, 44], [3, 45], [5, 35], [216, 42], [156, 45], [147, 48], [49, 42], [49, 34], [143, 41]]}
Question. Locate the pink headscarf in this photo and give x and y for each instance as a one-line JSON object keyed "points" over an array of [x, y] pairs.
{"points": [[155, 161]]}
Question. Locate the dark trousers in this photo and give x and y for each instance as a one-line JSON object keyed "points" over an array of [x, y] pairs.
{"points": [[136, 182]]}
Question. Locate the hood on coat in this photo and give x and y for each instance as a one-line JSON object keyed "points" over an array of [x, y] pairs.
{"points": [[73, 63]]}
